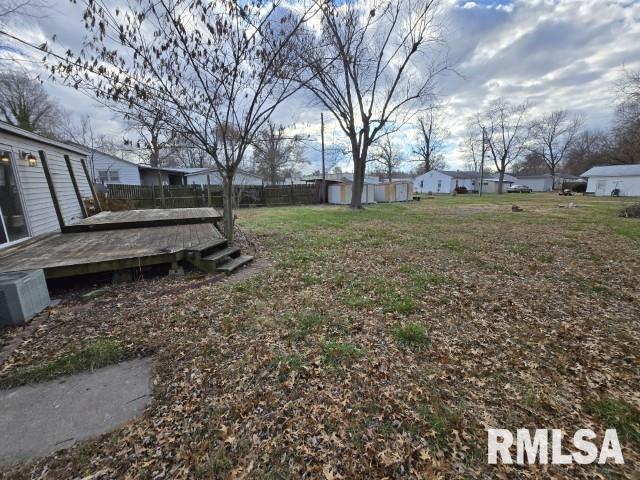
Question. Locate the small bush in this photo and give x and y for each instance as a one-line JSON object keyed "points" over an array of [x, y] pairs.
{"points": [[397, 303], [632, 211], [461, 190], [411, 334]]}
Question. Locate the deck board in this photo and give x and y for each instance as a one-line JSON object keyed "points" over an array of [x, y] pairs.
{"points": [[145, 218], [87, 252]]}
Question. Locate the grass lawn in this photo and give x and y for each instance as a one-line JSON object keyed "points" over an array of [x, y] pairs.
{"points": [[380, 343]]}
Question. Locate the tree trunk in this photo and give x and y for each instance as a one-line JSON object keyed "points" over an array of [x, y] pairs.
{"points": [[356, 189], [552, 169], [500, 182], [227, 206]]}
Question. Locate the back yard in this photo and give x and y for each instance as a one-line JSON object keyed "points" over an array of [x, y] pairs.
{"points": [[378, 344]]}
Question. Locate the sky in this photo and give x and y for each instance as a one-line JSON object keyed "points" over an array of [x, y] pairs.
{"points": [[551, 53]]}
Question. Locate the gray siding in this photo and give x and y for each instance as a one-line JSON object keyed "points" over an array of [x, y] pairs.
{"points": [[128, 173], [36, 197]]}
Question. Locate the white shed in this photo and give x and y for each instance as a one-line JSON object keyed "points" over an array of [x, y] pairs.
{"points": [[398, 191], [602, 181], [43, 184], [340, 193]]}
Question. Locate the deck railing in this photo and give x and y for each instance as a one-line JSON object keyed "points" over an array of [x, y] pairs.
{"points": [[123, 197]]}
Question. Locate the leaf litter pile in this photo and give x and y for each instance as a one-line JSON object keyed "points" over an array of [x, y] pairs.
{"points": [[379, 344]]}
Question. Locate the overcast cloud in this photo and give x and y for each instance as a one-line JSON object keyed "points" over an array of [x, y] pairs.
{"points": [[554, 54]]}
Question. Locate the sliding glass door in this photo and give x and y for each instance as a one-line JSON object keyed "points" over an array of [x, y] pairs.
{"points": [[13, 222]]}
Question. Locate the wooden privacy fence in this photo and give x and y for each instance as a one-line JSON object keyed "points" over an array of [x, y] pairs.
{"points": [[120, 197]]}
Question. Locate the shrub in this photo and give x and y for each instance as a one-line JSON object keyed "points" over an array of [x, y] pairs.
{"points": [[632, 211], [411, 334], [579, 187], [461, 189], [341, 353]]}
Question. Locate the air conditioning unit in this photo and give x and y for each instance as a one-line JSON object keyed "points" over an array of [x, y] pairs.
{"points": [[22, 296]]}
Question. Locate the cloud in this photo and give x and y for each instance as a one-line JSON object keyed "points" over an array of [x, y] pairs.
{"points": [[551, 53]]}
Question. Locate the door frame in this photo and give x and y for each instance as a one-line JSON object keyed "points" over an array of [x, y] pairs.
{"points": [[15, 155]]}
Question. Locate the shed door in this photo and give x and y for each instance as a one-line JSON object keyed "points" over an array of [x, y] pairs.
{"points": [[13, 224], [601, 187], [401, 192]]}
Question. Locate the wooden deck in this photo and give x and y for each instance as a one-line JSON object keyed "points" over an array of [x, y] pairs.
{"points": [[145, 218], [70, 254]]}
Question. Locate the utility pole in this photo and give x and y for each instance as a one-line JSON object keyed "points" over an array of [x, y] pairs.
{"points": [[324, 175], [484, 149]]}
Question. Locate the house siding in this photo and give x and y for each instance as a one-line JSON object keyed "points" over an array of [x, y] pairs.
{"points": [[128, 173], [37, 203], [216, 179], [602, 186]]}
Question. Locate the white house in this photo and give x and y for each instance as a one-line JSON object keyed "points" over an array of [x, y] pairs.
{"points": [[198, 176], [445, 181], [602, 181], [43, 184], [107, 169], [537, 183]]}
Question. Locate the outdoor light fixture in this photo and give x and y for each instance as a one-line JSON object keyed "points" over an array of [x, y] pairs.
{"points": [[5, 157], [31, 159]]}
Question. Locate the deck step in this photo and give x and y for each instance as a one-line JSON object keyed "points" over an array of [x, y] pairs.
{"points": [[235, 263], [213, 247], [220, 254]]}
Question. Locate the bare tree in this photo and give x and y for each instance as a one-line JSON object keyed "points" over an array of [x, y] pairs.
{"points": [[216, 68], [626, 130], [386, 157], [507, 134], [371, 65], [552, 136], [471, 146], [275, 154], [431, 140], [25, 103], [589, 149], [154, 133]]}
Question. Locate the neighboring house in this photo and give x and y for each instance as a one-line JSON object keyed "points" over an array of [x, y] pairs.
{"points": [[161, 175], [490, 184], [446, 182], [37, 191], [601, 181], [198, 176], [108, 169], [537, 183]]}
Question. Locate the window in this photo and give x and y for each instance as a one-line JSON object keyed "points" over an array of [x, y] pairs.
{"points": [[439, 184], [421, 183], [108, 176]]}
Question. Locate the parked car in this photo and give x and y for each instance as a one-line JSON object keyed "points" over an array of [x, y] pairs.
{"points": [[519, 189]]}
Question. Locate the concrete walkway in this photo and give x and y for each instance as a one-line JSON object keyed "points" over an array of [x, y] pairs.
{"points": [[36, 420]]}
